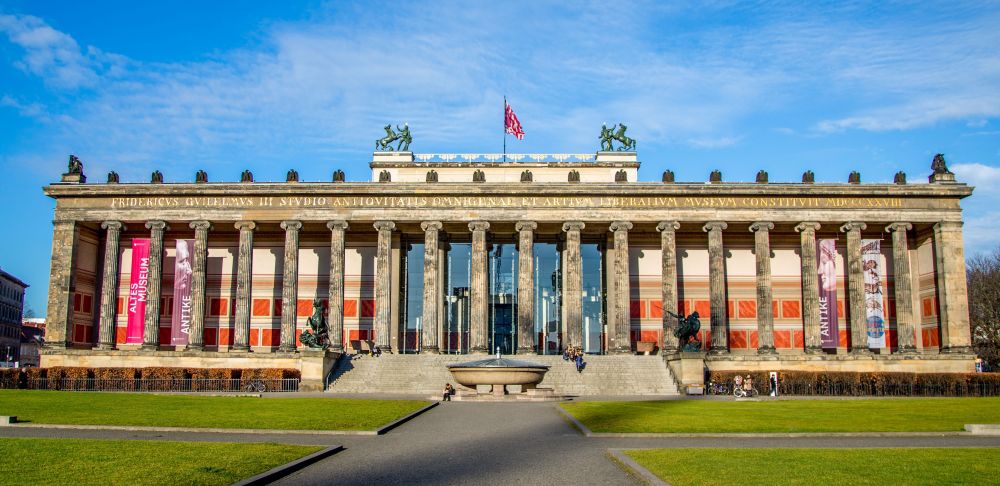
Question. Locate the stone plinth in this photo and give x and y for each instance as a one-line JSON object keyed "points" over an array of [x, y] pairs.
{"points": [[689, 370]]}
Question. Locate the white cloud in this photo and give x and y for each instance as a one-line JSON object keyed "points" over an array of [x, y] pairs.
{"points": [[985, 178], [53, 55]]}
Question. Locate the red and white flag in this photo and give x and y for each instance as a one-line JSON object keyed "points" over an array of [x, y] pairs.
{"points": [[511, 123]]}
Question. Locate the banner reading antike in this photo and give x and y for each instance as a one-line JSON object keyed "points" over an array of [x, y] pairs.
{"points": [[827, 270], [180, 324], [871, 258], [138, 280]]}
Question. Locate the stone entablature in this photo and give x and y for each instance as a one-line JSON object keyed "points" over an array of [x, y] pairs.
{"points": [[683, 222]]}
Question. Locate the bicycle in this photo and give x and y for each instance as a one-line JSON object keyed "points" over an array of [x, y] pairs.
{"points": [[255, 386], [718, 388]]}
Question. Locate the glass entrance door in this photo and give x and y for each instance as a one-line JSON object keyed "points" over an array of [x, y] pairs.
{"points": [[592, 298], [548, 295], [502, 265], [456, 298]]}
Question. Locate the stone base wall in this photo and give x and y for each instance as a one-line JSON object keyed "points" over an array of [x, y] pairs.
{"points": [[938, 363], [313, 365]]}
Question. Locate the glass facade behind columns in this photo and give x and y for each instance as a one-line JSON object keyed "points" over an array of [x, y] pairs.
{"points": [[456, 298], [593, 297], [548, 298], [413, 298], [502, 268]]}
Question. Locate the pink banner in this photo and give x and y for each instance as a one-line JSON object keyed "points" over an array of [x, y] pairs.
{"points": [[136, 310], [180, 325], [828, 330]]}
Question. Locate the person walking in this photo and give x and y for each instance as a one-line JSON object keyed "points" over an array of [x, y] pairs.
{"points": [[579, 362]]}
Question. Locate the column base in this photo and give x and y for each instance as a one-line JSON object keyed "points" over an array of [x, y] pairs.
{"points": [[287, 349], [861, 352], [907, 350], [336, 349], [814, 350], [105, 347], [769, 350], [956, 350], [195, 347], [149, 347], [478, 351], [430, 350], [620, 351], [718, 351], [240, 349], [530, 350]]}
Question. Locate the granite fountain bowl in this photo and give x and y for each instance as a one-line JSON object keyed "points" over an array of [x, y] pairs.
{"points": [[498, 372]]}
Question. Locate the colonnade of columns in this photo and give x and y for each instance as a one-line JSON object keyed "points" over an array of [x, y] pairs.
{"points": [[947, 247]]}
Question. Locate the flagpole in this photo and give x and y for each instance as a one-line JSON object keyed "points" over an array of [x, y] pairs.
{"points": [[505, 128]]}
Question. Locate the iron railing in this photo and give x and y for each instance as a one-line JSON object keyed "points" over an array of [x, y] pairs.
{"points": [[873, 389], [167, 384]]}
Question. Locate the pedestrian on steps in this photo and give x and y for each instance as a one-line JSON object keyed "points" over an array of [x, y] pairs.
{"points": [[579, 362]]}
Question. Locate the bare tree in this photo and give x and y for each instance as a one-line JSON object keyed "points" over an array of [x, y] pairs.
{"points": [[984, 305]]}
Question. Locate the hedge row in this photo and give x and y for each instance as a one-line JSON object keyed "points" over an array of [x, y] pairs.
{"points": [[144, 379], [868, 383]]}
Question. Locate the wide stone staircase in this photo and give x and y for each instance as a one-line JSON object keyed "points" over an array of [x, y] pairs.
{"points": [[621, 375]]}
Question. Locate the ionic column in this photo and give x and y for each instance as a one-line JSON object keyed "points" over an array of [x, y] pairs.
{"points": [[289, 285], [618, 340], [526, 286], [905, 327], [335, 320], [62, 276], [109, 284], [383, 283], [429, 331], [196, 340], [668, 282], [478, 292], [951, 287], [244, 282], [765, 313], [151, 333], [573, 287], [717, 286], [810, 287], [856, 287]]}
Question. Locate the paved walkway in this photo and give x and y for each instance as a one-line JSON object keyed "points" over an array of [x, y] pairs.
{"points": [[490, 444]]}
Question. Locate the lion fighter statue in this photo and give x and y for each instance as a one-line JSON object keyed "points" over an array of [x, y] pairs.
{"points": [[687, 332], [317, 336]]}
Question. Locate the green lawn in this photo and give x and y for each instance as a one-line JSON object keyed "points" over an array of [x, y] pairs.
{"points": [[707, 416], [85, 461], [820, 466], [59, 407]]}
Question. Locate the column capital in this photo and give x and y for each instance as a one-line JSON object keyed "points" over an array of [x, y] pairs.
{"points": [[714, 225], [898, 226], [668, 226], [200, 225], [385, 225], [573, 226], [948, 225], [852, 226], [526, 226], [292, 225], [337, 224], [761, 226], [113, 225], [807, 225], [431, 226], [245, 225], [617, 226], [479, 226], [156, 225]]}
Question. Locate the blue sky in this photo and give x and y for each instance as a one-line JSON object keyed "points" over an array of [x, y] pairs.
{"points": [[224, 86]]}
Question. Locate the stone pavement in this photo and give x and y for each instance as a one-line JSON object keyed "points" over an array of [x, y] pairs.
{"points": [[491, 443]]}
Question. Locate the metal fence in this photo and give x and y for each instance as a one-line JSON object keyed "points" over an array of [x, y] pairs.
{"points": [[167, 385], [873, 389]]}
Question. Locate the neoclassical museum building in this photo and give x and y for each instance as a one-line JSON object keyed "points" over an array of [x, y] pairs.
{"points": [[527, 254]]}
